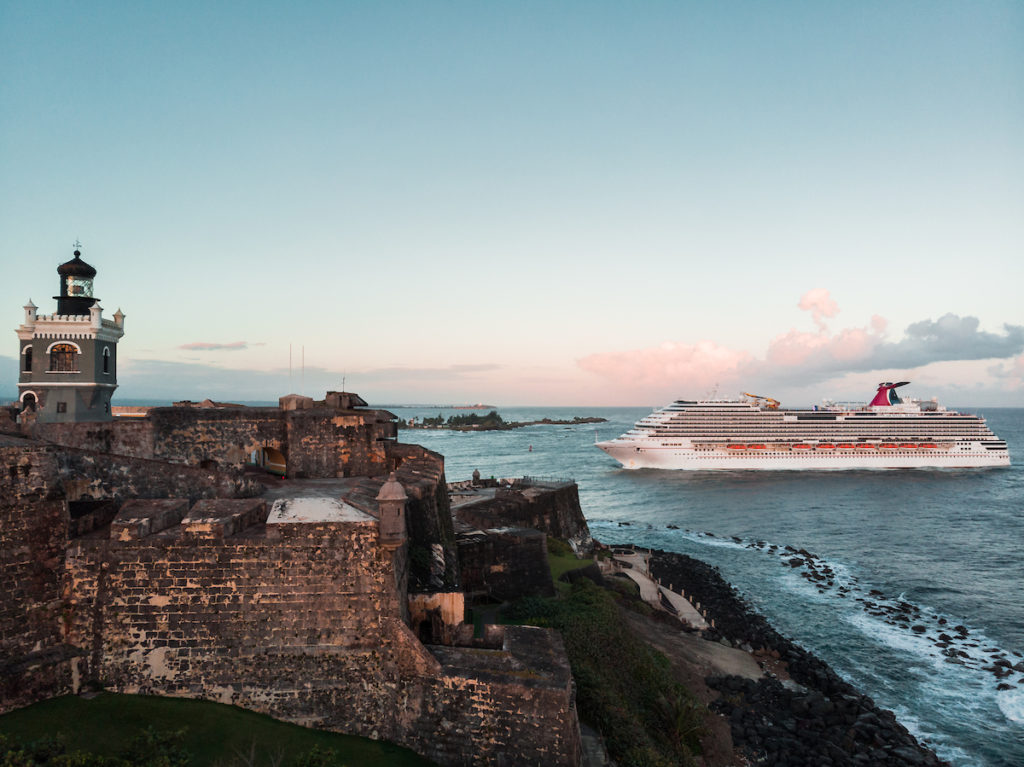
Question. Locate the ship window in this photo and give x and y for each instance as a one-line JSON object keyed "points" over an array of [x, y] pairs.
{"points": [[63, 359], [62, 407]]}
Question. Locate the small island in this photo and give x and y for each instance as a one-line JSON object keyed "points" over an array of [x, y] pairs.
{"points": [[490, 422]]}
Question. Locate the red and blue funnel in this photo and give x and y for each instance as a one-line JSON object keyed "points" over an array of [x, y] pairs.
{"points": [[886, 394]]}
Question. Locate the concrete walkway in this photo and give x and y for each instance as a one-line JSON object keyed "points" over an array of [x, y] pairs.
{"points": [[652, 593]]}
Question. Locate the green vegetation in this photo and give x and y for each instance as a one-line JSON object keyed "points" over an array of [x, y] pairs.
{"points": [[469, 421], [490, 422], [562, 559], [133, 730], [625, 688]]}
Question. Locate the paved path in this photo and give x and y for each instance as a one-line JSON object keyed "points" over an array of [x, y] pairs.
{"points": [[651, 592]]}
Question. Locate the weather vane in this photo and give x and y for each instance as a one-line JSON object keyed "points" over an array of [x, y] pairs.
{"points": [[77, 244]]}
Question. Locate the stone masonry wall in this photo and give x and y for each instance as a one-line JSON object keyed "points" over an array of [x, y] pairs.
{"points": [[554, 510], [505, 563], [301, 621], [433, 556], [34, 662], [315, 443], [89, 475], [129, 437], [225, 437], [329, 443]]}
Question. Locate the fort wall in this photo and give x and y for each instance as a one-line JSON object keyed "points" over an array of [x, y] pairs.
{"points": [[551, 507], [151, 575], [303, 621], [33, 534], [316, 443]]}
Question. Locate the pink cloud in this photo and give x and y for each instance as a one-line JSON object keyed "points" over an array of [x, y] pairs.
{"points": [[688, 366], [801, 357], [820, 304]]}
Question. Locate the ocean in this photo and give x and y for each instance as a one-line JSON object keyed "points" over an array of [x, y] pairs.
{"points": [[943, 549]]}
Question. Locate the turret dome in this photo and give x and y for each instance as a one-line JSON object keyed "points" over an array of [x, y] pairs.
{"points": [[392, 490]]}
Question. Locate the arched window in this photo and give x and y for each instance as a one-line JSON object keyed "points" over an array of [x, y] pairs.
{"points": [[27, 366], [63, 359], [106, 360]]}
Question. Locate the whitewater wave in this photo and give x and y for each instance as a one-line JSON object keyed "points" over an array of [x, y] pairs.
{"points": [[1011, 703]]}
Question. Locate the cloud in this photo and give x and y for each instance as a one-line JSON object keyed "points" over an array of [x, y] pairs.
{"points": [[1010, 372], [204, 346], [819, 304], [690, 366], [799, 357]]}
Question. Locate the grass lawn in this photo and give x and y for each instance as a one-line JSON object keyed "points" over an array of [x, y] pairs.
{"points": [[213, 733], [561, 559]]}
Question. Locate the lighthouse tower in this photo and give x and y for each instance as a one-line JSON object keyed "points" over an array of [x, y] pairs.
{"points": [[68, 360]]}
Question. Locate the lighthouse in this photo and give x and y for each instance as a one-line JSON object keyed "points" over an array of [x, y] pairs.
{"points": [[68, 360]]}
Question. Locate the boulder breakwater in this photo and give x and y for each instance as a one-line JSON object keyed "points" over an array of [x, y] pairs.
{"points": [[800, 712]]}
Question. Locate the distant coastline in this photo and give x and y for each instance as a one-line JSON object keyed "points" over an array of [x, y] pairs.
{"points": [[490, 422]]}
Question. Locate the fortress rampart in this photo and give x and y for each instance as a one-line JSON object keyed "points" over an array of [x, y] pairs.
{"points": [[144, 559], [320, 442]]}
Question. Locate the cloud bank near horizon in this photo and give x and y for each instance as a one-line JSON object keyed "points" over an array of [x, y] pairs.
{"points": [[798, 357], [205, 346], [791, 361]]}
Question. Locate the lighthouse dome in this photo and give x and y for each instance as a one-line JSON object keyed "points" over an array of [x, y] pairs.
{"points": [[76, 267]]}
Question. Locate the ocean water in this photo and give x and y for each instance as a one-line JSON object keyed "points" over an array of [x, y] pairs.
{"points": [[945, 548]]}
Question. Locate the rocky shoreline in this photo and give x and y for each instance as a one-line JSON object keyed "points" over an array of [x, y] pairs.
{"points": [[804, 715]]}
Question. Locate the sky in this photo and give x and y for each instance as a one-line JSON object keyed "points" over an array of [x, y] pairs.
{"points": [[532, 203]]}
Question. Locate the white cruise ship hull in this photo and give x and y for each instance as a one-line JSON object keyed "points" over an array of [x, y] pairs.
{"points": [[755, 433], [645, 456]]}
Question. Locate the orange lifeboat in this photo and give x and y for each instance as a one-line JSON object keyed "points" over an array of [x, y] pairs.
{"points": [[867, 446], [928, 446], [737, 447], [826, 446], [909, 445], [888, 446], [756, 447], [846, 446], [801, 447]]}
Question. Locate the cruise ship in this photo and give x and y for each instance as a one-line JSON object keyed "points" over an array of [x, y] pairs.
{"points": [[756, 433]]}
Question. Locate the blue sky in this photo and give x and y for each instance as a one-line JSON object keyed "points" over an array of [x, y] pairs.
{"points": [[526, 203]]}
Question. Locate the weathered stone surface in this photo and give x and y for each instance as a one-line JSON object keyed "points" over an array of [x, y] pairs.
{"points": [[321, 442], [505, 563], [34, 661], [304, 619], [553, 508]]}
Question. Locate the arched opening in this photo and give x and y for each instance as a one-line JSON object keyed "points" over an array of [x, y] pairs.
{"points": [[63, 358], [106, 360], [29, 402], [27, 363], [269, 458]]}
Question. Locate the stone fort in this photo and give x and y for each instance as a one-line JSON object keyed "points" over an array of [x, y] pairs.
{"points": [[296, 560]]}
